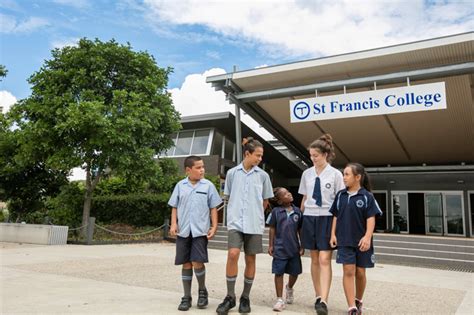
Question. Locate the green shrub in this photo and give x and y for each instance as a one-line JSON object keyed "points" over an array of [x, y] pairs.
{"points": [[137, 209], [66, 208]]}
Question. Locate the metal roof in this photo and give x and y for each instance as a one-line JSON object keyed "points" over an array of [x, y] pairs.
{"points": [[434, 138]]}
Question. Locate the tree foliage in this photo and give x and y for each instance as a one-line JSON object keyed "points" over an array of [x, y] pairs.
{"points": [[101, 106]]}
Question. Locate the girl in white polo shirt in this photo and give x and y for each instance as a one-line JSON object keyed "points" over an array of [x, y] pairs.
{"points": [[319, 185]]}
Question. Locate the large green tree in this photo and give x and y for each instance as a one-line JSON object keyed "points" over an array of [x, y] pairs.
{"points": [[101, 106]]}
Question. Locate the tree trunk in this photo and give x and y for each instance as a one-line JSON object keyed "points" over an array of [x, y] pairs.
{"points": [[86, 210]]}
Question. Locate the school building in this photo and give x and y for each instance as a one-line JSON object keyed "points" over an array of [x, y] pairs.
{"points": [[406, 112]]}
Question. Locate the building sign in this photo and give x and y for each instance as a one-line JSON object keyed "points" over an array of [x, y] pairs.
{"points": [[405, 99]]}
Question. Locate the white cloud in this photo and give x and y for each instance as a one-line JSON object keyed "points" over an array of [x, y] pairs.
{"points": [[7, 99], [9, 24], [60, 43], [315, 28], [196, 97]]}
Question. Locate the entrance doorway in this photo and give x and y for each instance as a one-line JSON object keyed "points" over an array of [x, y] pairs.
{"points": [[381, 221]]}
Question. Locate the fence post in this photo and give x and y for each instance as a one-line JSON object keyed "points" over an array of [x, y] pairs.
{"points": [[166, 228], [90, 230]]}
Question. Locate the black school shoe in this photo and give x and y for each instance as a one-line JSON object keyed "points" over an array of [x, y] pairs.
{"points": [[359, 306], [318, 301], [185, 303], [244, 306], [321, 308], [226, 305], [202, 299]]}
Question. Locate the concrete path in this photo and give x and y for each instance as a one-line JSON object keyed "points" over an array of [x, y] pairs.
{"points": [[141, 279]]}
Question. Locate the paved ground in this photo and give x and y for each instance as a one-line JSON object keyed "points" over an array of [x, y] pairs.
{"points": [[141, 278]]}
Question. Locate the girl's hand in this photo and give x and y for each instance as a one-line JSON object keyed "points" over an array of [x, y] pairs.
{"points": [[270, 250], [173, 230], [333, 241], [364, 244]]}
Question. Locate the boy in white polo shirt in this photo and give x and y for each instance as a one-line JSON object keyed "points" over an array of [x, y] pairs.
{"points": [[192, 200], [248, 188], [319, 185]]}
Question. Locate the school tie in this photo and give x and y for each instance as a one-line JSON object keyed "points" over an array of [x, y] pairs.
{"points": [[317, 192]]}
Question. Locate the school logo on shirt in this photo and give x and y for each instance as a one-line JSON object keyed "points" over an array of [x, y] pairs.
{"points": [[328, 185], [372, 258], [296, 218], [359, 203]]}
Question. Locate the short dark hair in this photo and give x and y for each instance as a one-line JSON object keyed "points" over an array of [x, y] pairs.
{"points": [[190, 160]]}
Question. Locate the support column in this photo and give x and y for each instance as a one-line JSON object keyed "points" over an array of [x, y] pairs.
{"points": [[238, 134]]}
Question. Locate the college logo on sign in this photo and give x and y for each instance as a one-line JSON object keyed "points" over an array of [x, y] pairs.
{"points": [[359, 203], [328, 186], [301, 110]]}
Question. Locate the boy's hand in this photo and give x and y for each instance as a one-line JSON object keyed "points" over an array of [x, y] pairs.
{"points": [[301, 251], [211, 233], [364, 243], [270, 250], [173, 229], [333, 241]]}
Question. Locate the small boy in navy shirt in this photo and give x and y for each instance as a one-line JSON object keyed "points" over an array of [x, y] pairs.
{"points": [[354, 211], [285, 222], [193, 200]]}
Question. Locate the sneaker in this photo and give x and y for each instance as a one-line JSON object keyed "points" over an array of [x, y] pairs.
{"points": [[226, 305], [321, 308], [359, 306], [244, 306], [352, 311], [202, 299], [289, 295], [318, 301], [279, 305], [185, 303]]}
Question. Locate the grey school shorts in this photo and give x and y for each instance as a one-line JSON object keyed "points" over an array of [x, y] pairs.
{"points": [[252, 242]]}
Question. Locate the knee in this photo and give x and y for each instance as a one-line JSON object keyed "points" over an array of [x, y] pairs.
{"points": [[360, 273], [349, 272], [187, 265], [324, 261], [197, 265], [233, 256]]}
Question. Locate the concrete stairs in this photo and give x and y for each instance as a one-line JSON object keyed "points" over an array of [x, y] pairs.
{"points": [[451, 253]]}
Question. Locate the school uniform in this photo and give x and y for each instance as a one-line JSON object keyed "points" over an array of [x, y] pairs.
{"points": [[245, 213], [352, 212], [286, 245], [193, 204], [320, 191]]}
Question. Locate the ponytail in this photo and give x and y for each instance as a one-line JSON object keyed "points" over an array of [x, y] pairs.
{"points": [[324, 144], [358, 169]]}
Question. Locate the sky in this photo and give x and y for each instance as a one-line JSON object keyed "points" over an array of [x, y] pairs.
{"points": [[198, 38]]}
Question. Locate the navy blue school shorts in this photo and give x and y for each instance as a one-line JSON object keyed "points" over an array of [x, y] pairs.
{"points": [[349, 255], [291, 266], [189, 249], [316, 232]]}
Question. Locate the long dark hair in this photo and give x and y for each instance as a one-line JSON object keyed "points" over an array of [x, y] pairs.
{"points": [[358, 169], [324, 144]]}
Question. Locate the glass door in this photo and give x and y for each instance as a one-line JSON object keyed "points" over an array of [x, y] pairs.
{"points": [[400, 212], [434, 214], [454, 216]]}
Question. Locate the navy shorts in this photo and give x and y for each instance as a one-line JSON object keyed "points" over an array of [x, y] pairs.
{"points": [[349, 255], [316, 232], [291, 266], [189, 249]]}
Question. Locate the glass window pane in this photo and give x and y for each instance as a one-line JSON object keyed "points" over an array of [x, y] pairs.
{"points": [[217, 144], [229, 150], [400, 213], [201, 138], [434, 213], [170, 151], [454, 214], [183, 146]]}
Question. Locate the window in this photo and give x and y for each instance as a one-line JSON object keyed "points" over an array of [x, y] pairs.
{"points": [[229, 150], [217, 144], [201, 138], [189, 142]]}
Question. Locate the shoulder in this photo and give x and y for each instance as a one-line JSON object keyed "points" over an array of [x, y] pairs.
{"points": [[334, 170], [308, 172]]}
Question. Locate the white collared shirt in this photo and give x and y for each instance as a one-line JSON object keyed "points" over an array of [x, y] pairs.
{"points": [[331, 182]]}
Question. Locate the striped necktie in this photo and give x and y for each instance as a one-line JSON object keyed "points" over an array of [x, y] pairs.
{"points": [[317, 192]]}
